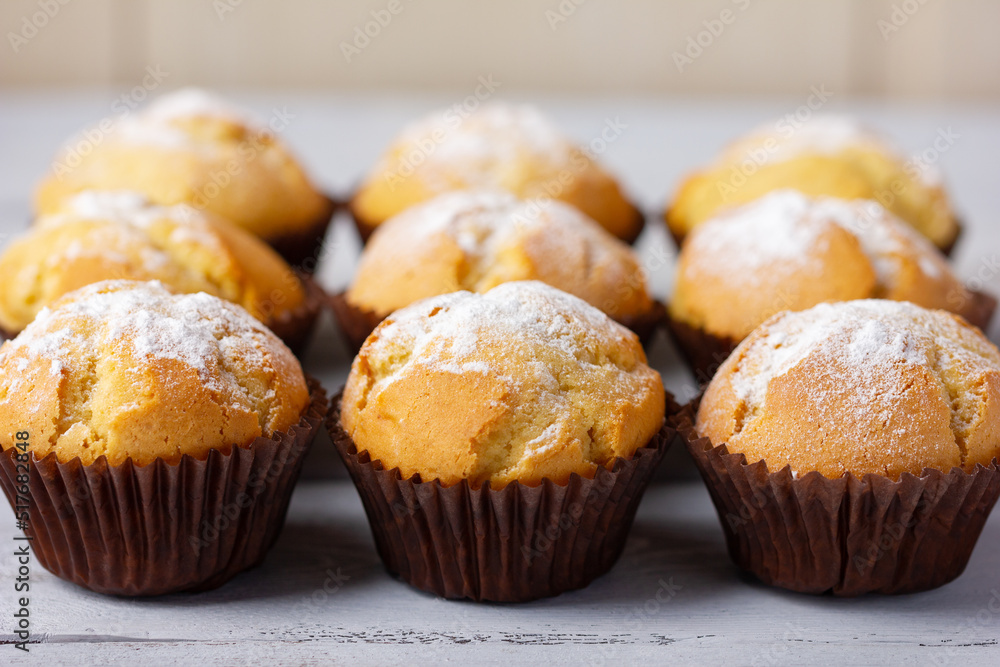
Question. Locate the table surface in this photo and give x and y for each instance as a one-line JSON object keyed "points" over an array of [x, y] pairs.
{"points": [[282, 612]]}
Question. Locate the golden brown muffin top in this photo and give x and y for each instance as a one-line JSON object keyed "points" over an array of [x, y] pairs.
{"points": [[130, 370], [522, 383], [191, 147], [826, 155], [787, 251], [868, 386], [477, 239], [498, 146], [121, 236]]}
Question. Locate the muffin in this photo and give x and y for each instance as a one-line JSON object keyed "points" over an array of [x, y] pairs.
{"points": [[475, 240], [825, 156], [788, 251], [474, 423], [498, 146], [189, 147], [161, 435], [852, 447], [120, 235]]}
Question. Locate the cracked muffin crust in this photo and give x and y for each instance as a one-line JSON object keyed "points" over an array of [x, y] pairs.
{"points": [[524, 382], [130, 370], [477, 239], [499, 146], [103, 235], [867, 386], [789, 251]]}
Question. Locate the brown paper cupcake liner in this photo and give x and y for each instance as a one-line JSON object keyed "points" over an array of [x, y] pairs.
{"points": [[514, 544], [295, 327], [161, 528], [356, 323], [365, 229], [979, 313], [946, 250], [845, 536], [302, 248], [702, 352]]}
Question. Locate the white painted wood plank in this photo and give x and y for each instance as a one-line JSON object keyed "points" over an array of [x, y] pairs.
{"points": [[280, 612]]}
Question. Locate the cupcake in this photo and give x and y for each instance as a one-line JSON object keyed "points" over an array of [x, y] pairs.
{"points": [[160, 434], [788, 251], [825, 156], [852, 448], [500, 442], [190, 147], [499, 146], [99, 236], [475, 240]]}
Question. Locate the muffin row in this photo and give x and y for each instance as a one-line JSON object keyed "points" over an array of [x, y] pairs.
{"points": [[500, 442], [499, 421]]}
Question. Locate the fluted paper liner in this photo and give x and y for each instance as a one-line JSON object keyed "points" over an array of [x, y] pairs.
{"points": [[701, 351], [704, 352], [295, 327], [163, 528], [846, 536], [302, 248], [365, 229], [513, 544], [356, 322]]}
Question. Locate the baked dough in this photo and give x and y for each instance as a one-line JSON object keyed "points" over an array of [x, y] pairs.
{"points": [[521, 383], [129, 370], [867, 386]]}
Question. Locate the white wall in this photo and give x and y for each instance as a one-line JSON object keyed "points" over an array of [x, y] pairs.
{"points": [[942, 49]]}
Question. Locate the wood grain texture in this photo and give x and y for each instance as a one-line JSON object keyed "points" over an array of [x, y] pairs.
{"points": [[322, 595]]}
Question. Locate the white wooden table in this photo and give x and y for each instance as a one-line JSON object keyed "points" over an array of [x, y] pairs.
{"points": [[322, 596]]}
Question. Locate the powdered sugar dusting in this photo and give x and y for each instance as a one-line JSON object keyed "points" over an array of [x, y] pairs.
{"points": [[482, 142], [482, 222], [153, 322], [780, 231], [134, 210], [157, 123], [824, 134], [758, 234], [192, 102], [452, 331], [872, 336]]}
